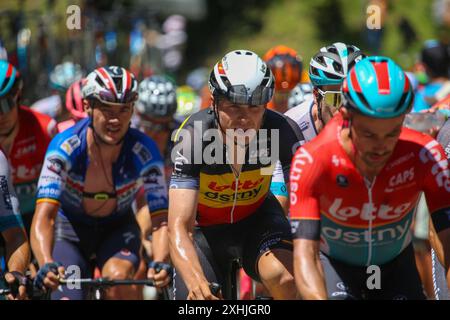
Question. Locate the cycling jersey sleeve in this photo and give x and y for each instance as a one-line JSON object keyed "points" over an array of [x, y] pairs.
{"points": [[153, 176], [444, 138], [9, 205], [187, 158], [54, 170], [304, 199], [291, 138], [436, 183]]}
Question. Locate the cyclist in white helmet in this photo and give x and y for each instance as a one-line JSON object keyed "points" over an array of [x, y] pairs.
{"points": [[228, 196]]}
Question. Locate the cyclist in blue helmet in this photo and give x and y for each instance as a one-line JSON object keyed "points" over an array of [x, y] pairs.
{"points": [[327, 69]]}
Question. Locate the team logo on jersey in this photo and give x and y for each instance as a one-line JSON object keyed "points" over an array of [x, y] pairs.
{"points": [[401, 180], [70, 144], [142, 152], [55, 165], [25, 150], [440, 169], [367, 212], [152, 175], [342, 181], [304, 125]]}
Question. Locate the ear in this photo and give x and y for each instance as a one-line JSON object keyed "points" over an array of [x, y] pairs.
{"points": [[345, 113], [87, 107]]}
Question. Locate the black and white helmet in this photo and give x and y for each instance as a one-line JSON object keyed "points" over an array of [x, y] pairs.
{"points": [[157, 97], [111, 85], [243, 78], [300, 93], [331, 64]]}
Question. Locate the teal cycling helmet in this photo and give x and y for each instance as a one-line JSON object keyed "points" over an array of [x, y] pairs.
{"points": [[331, 64], [8, 77], [377, 87]]}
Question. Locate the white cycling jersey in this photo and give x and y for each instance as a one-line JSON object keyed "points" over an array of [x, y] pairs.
{"points": [[9, 205], [302, 115]]}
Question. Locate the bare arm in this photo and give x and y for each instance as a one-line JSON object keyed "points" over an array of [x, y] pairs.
{"points": [[442, 248], [145, 224], [308, 270], [42, 231], [17, 249], [182, 211]]}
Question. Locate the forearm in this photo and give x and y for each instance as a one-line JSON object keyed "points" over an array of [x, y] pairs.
{"points": [[308, 270], [284, 202], [160, 239], [184, 256], [42, 236], [444, 237], [18, 253]]}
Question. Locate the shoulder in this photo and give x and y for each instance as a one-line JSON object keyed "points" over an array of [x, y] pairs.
{"points": [[142, 147], [70, 140], [39, 121], [199, 121]]}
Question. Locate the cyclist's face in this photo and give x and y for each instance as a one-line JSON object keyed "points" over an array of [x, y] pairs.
{"points": [[110, 121], [375, 139], [155, 128], [8, 120], [280, 100], [240, 116]]}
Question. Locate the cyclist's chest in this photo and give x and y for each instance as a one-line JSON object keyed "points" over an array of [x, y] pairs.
{"points": [[348, 198]]}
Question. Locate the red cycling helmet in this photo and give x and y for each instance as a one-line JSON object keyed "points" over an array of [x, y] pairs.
{"points": [[74, 100]]}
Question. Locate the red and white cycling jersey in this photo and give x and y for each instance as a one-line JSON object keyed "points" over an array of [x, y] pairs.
{"points": [[363, 224], [27, 154]]}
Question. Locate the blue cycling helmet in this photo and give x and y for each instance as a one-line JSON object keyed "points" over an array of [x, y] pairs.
{"points": [[331, 64], [9, 77], [377, 87], [63, 75]]}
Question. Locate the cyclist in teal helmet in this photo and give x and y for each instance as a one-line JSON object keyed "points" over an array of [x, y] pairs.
{"points": [[378, 88], [376, 96], [354, 191]]}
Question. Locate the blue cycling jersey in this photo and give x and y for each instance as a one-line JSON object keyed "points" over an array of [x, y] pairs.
{"points": [[66, 161]]}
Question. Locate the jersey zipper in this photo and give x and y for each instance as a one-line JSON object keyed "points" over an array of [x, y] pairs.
{"points": [[371, 207], [236, 181]]}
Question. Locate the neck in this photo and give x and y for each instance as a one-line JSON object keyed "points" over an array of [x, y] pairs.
{"points": [[315, 114], [363, 168], [7, 140], [109, 153]]}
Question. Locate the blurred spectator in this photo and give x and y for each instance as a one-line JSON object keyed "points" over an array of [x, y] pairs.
{"points": [[435, 59]]}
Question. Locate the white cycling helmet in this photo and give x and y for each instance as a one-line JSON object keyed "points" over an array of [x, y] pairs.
{"points": [[331, 64], [243, 78]]}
